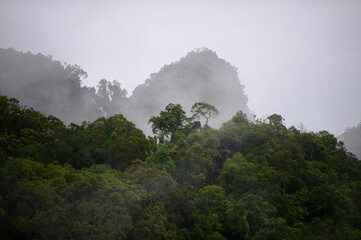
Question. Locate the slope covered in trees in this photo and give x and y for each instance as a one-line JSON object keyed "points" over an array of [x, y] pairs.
{"points": [[55, 89], [105, 180]]}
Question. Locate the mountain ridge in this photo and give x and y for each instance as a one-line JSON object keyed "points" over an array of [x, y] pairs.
{"points": [[56, 89]]}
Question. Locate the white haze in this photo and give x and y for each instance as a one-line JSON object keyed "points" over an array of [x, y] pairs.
{"points": [[300, 59]]}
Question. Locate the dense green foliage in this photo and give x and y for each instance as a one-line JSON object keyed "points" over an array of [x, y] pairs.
{"points": [[25, 133], [105, 180]]}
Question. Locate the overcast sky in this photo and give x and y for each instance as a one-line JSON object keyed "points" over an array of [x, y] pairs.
{"points": [[300, 59]]}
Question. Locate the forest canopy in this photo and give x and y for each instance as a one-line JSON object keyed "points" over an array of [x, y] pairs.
{"points": [[105, 180]]}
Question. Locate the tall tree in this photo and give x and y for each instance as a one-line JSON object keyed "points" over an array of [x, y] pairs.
{"points": [[202, 109]]}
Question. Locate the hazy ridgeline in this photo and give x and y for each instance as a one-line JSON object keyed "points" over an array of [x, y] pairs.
{"points": [[55, 89], [352, 139], [47, 85], [201, 76]]}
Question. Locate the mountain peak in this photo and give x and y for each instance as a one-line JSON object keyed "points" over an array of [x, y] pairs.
{"points": [[200, 76]]}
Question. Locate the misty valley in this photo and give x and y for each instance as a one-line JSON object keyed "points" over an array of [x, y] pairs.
{"points": [[182, 157]]}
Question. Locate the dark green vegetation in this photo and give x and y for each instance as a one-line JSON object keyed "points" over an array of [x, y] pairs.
{"points": [[106, 180], [55, 89]]}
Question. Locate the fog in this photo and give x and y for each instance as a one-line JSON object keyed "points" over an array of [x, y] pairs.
{"points": [[55, 89], [300, 59], [201, 76]]}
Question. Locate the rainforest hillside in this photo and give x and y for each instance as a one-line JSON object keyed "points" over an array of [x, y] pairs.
{"points": [[56, 89], [105, 180]]}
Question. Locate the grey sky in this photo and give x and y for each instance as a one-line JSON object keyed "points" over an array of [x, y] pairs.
{"points": [[300, 59]]}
